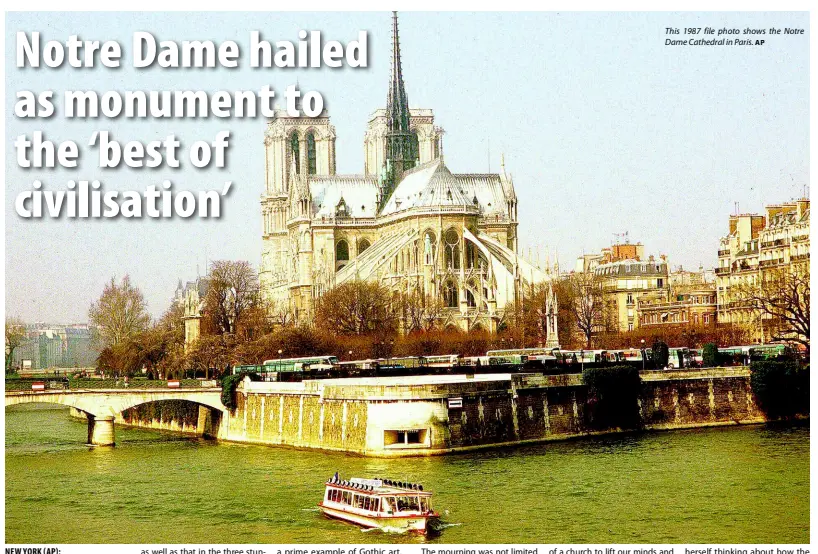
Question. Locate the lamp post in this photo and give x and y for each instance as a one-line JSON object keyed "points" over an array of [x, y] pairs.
{"points": [[389, 353], [643, 354]]}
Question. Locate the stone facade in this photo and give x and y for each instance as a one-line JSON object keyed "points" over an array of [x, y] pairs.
{"points": [[757, 245], [696, 306], [407, 221], [628, 283], [427, 415]]}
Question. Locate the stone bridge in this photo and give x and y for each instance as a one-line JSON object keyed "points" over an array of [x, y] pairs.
{"points": [[102, 406]]}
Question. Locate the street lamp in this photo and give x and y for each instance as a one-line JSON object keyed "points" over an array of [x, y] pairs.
{"points": [[279, 353], [643, 354]]}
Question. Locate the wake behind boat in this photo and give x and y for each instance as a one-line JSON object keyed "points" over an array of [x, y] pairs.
{"points": [[379, 503]]}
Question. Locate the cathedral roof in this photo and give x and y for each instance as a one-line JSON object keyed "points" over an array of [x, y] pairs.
{"points": [[359, 192], [432, 184]]}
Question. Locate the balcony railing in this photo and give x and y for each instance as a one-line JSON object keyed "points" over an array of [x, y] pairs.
{"points": [[724, 252], [722, 270], [776, 242]]}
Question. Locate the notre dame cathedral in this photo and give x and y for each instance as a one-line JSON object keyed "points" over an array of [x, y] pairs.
{"points": [[407, 221]]}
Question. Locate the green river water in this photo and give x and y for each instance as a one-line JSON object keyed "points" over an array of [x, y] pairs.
{"points": [[716, 485]]}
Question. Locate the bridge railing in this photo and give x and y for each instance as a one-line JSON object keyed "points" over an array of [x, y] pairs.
{"points": [[85, 384]]}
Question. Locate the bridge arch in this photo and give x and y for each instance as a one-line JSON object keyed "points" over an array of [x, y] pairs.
{"points": [[102, 407]]}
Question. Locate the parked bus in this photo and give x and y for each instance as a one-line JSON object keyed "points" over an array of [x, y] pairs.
{"points": [[679, 358], [771, 352], [734, 355], [522, 351], [443, 360]]}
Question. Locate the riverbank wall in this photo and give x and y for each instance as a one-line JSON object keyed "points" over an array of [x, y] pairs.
{"points": [[438, 414], [429, 415]]}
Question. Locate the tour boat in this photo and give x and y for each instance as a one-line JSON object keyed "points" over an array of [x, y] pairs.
{"points": [[379, 503]]}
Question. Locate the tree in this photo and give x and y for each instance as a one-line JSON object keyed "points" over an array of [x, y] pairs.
{"points": [[660, 354], [781, 298], [15, 335], [420, 312], [281, 314], [120, 313], [356, 308], [211, 355], [710, 355], [233, 298], [588, 304]]}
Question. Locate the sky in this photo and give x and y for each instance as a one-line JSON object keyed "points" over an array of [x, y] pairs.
{"points": [[604, 128]]}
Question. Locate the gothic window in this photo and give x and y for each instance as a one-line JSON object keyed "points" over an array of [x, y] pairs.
{"points": [[295, 152], [311, 159], [429, 243], [363, 244], [470, 302], [470, 255], [341, 254], [450, 295], [452, 244]]}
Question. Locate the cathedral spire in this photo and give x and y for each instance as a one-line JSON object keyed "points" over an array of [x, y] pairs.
{"points": [[397, 103], [401, 144]]}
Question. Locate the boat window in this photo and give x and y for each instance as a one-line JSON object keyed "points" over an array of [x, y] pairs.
{"points": [[367, 501], [424, 504], [359, 501], [389, 504], [408, 504], [347, 497], [376, 504]]}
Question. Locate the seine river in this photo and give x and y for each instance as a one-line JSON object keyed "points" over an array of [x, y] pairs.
{"points": [[718, 485]]}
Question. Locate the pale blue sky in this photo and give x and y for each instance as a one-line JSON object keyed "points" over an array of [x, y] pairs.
{"points": [[604, 128]]}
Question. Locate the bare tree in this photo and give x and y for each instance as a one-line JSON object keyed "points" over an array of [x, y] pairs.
{"points": [[120, 313], [588, 303], [781, 300], [420, 312], [15, 335], [232, 296], [356, 308], [212, 355], [281, 314]]}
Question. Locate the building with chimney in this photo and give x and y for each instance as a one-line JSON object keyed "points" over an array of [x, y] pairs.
{"points": [[755, 248], [406, 222]]}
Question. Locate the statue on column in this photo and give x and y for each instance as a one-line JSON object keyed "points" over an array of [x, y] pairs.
{"points": [[552, 339]]}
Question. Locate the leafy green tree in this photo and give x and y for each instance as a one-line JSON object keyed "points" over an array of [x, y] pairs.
{"points": [[660, 354], [613, 397], [781, 388], [710, 355]]}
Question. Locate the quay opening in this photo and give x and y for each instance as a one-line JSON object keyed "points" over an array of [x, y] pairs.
{"points": [[406, 438]]}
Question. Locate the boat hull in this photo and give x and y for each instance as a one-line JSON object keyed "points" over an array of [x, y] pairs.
{"points": [[412, 524]]}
